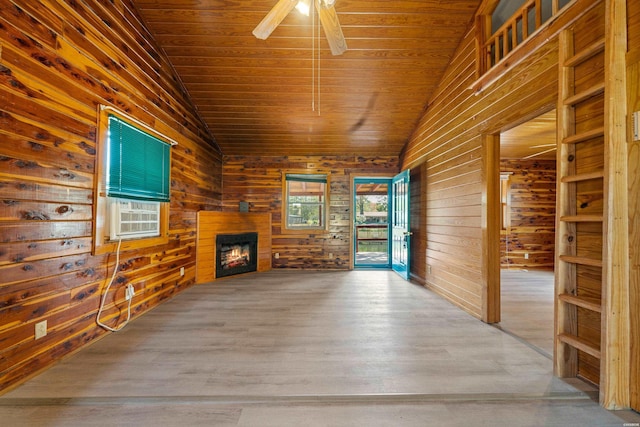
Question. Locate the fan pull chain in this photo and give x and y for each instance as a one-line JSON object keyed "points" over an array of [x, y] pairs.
{"points": [[318, 38], [313, 56]]}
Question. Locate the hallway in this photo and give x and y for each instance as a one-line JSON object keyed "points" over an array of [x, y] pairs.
{"points": [[306, 348]]}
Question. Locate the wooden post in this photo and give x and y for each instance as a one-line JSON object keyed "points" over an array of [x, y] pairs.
{"points": [[491, 228], [615, 345]]}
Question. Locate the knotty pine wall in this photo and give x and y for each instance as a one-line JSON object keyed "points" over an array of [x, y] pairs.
{"points": [[258, 181], [448, 144], [58, 62], [532, 210]]}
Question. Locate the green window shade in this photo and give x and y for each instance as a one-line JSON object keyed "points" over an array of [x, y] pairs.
{"points": [[137, 163], [306, 178]]}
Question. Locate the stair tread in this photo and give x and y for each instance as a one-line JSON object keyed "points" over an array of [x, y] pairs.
{"points": [[590, 51], [584, 136], [585, 94], [581, 260], [592, 304], [580, 344]]}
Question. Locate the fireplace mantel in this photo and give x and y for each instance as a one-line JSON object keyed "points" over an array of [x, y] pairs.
{"points": [[210, 224]]}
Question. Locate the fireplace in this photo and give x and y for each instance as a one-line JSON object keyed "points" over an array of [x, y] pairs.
{"points": [[236, 253]]}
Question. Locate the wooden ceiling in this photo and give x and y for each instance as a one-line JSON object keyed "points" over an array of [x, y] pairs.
{"points": [[534, 139], [259, 96]]}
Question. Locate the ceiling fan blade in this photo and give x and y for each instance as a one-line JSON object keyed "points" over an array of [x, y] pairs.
{"points": [[273, 18], [331, 26]]}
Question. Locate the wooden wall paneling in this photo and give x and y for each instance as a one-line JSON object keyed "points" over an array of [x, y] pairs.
{"points": [[447, 141], [532, 212], [419, 269], [210, 224], [258, 181], [58, 61]]}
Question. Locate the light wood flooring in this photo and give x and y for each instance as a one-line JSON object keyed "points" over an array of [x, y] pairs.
{"points": [[359, 348], [527, 307]]}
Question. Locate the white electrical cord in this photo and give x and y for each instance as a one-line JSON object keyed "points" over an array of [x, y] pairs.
{"points": [[106, 292]]}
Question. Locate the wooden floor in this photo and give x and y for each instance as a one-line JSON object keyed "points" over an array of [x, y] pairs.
{"points": [[527, 307], [359, 348]]}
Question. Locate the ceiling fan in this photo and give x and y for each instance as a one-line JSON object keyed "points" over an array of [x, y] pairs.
{"points": [[328, 19]]}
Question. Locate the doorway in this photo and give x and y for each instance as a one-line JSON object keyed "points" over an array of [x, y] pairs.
{"points": [[527, 234], [372, 243]]}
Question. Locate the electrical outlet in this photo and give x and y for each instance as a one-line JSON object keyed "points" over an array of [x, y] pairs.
{"points": [[129, 292], [181, 271], [41, 329], [428, 269], [526, 256], [330, 255], [276, 255]]}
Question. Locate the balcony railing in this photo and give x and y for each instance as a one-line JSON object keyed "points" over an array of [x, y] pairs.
{"points": [[372, 237], [520, 26]]}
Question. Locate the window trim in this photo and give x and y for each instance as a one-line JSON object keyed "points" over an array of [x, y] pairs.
{"points": [[285, 201], [101, 242]]}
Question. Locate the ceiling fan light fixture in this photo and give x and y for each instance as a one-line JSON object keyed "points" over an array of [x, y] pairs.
{"points": [[304, 6]]}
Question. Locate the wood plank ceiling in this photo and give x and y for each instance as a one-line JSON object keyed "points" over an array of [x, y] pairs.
{"points": [[535, 139], [279, 97]]}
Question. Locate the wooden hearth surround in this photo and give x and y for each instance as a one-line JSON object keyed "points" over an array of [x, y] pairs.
{"points": [[210, 224]]}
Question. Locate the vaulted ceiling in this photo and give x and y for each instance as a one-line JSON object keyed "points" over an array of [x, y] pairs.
{"points": [[288, 95]]}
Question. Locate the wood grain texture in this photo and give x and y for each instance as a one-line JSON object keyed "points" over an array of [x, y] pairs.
{"points": [[447, 141], [532, 214], [633, 77], [258, 181], [615, 344], [283, 96], [59, 61], [491, 229], [418, 216]]}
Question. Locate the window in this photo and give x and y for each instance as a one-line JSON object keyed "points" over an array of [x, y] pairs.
{"points": [[133, 189], [505, 200], [137, 163], [305, 201]]}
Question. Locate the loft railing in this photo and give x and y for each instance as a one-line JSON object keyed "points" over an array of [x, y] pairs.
{"points": [[524, 22]]}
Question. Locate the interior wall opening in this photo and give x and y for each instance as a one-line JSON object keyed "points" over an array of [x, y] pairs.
{"points": [[527, 236]]}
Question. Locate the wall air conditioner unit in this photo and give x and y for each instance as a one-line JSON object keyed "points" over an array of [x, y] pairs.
{"points": [[133, 219]]}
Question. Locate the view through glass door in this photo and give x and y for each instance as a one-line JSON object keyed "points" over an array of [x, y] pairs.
{"points": [[371, 222]]}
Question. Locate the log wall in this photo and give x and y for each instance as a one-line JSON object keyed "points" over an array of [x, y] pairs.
{"points": [[58, 62], [258, 181], [532, 215]]}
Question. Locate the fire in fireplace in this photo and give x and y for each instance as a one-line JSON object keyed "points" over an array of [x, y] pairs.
{"points": [[236, 253]]}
